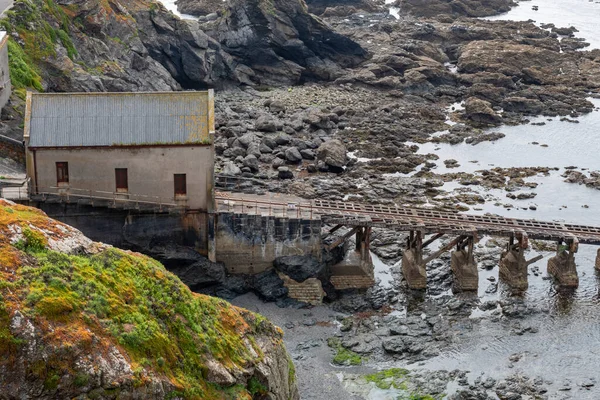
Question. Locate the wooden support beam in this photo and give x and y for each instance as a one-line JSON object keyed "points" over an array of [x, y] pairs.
{"points": [[335, 228], [433, 239], [444, 249], [535, 259], [343, 238]]}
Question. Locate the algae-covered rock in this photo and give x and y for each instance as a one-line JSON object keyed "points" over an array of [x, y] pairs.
{"points": [[79, 319]]}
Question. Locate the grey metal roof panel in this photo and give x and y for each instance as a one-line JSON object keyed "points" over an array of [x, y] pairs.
{"points": [[107, 119]]}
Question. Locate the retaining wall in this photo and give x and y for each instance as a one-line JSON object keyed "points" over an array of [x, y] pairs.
{"points": [[248, 244]]}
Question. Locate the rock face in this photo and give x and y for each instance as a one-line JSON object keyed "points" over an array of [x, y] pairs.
{"points": [[100, 322], [199, 7], [283, 43], [133, 46]]}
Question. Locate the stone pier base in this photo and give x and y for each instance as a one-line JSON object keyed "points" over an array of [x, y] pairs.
{"points": [[598, 260], [513, 269], [464, 268], [414, 270], [562, 268]]}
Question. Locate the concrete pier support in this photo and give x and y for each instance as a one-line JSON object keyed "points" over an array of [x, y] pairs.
{"points": [[413, 269], [562, 266], [464, 268], [513, 268], [598, 260], [513, 265]]}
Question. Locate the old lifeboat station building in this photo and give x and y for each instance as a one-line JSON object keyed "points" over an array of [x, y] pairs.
{"points": [[142, 148]]}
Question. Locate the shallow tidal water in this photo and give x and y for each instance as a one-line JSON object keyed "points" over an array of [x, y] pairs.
{"points": [[582, 14], [565, 351]]}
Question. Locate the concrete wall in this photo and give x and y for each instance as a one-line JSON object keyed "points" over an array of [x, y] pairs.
{"points": [[127, 229], [5, 87], [150, 170], [248, 244]]}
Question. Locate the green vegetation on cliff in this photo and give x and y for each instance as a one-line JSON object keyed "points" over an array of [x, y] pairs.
{"points": [[113, 299], [23, 73], [39, 26]]}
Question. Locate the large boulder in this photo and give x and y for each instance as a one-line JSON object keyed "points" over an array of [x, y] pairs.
{"points": [[269, 286], [283, 43], [480, 112], [299, 268], [333, 153], [80, 319]]}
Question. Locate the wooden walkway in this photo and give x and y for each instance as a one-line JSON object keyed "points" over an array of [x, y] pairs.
{"points": [[406, 219]]}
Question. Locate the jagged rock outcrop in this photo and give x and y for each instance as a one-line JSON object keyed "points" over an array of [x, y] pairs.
{"points": [[80, 319], [126, 45], [199, 7], [282, 43]]}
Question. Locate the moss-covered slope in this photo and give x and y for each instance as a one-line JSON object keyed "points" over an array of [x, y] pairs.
{"points": [[80, 319]]}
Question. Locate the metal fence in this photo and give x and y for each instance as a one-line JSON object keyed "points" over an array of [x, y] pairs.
{"points": [[74, 195]]}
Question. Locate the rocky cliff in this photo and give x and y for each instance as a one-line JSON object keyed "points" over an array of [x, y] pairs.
{"points": [[127, 45], [284, 43], [82, 319]]}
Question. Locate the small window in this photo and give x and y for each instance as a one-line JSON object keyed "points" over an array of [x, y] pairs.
{"points": [[121, 180], [180, 185], [62, 173]]}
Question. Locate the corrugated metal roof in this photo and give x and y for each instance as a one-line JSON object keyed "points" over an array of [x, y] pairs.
{"points": [[113, 119]]}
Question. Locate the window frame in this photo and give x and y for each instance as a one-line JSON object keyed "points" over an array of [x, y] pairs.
{"points": [[62, 173]]}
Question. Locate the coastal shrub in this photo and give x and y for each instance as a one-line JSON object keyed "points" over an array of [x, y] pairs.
{"points": [[32, 241], [23, 73], [255, 388], [68, 43]]}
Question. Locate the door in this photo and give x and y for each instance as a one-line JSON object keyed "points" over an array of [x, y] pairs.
{"points": [[121, 180]]}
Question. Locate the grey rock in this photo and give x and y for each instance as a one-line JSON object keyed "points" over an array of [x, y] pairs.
{"points": [[293, 155], [307, 154], [283, 140], [251, 162], [231, 169], [332, 153], [285, 173], [266, 123], [299, 268]]}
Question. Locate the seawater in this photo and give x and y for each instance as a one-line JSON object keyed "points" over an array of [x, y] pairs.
{"points": [[581, 14], [566, 349]]}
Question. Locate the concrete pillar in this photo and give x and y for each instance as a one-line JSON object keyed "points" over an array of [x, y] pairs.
{"points": [[413, 269], [464, 268], [513, 268], [211, 238], [562, 268], [598, 260]]}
